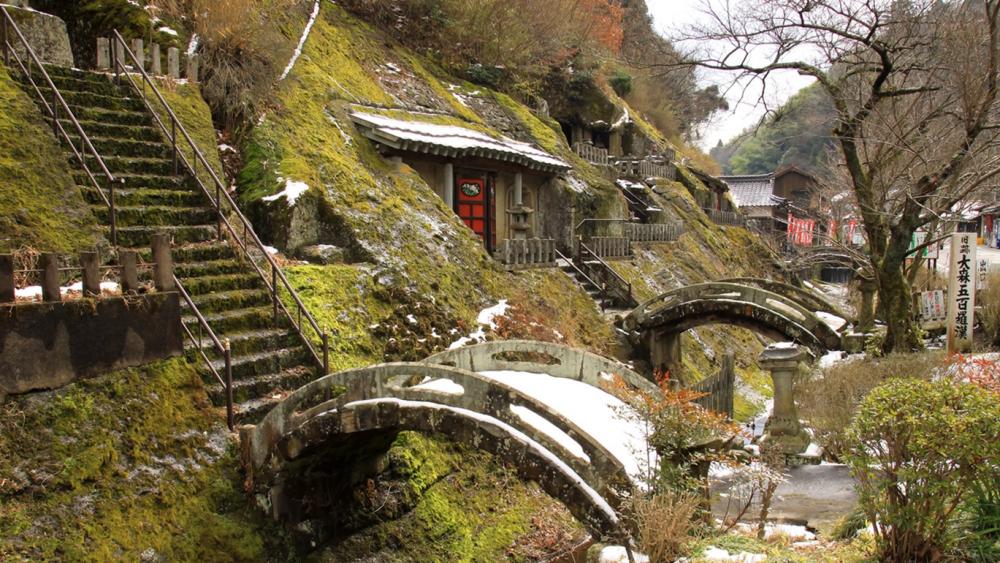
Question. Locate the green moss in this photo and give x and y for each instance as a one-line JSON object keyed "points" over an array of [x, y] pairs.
{"points": [[108, 468], [469, 509], [191, 110], [41, 207]]}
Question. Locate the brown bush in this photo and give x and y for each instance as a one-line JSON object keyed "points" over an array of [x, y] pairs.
{"points": [[828, 402], [664, 522]]}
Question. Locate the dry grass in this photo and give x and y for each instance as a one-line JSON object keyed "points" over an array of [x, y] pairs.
{"points": [[989, 301], [828, 402], [664, 522]]}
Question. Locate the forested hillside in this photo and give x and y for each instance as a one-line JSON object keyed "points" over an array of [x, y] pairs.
{"points": [[798, 134]]}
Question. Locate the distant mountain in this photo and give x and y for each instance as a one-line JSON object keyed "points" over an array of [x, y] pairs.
{"points": [[798, 134]]}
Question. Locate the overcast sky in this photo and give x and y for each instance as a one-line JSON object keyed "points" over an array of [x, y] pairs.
{"points": [[671, 15]]}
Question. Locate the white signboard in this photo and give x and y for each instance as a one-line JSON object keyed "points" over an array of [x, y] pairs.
{"points": [[961, 288], [932, 307]]}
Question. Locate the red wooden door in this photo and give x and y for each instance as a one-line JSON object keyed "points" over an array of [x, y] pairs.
{"points": [[471, 205]]}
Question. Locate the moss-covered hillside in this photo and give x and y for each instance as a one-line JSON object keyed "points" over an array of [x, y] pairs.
{"points": [[41, 207]]}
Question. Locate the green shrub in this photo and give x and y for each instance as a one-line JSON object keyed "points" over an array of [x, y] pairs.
{"points": [[917, 449], [621, 83], [828, 402]]}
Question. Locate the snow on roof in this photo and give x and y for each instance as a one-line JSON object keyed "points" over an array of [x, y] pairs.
{"points": [[454, 141], [752, 191]]}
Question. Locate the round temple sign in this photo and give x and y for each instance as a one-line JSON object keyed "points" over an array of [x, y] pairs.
{"points": [[470, 189]]}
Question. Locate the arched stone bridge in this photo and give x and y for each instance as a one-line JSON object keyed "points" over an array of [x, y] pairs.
{"points": [[808, 299], [351, 418], [655, 326]]}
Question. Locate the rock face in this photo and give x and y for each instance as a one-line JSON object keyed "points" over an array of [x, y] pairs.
{"points": [[46, 34], [323, 254]]}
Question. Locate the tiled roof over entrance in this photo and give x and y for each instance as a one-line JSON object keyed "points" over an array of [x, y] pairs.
{"points": [[752, 191], [453, 141]]}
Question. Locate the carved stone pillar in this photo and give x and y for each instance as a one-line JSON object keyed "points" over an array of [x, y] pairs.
{"points": [[783, 429]]}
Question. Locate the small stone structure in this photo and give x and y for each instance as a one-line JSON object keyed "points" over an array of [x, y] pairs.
{"points": [[783, 429], [45, 345], [44, 32]]}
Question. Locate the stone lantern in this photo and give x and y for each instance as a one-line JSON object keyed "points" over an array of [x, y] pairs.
{"points": [[783, 429], [520, 214]]}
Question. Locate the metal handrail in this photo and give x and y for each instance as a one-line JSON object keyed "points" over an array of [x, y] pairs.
{"points": [[606, 267], [53, 109], [221, 346], [599, 287], [249, 237]]}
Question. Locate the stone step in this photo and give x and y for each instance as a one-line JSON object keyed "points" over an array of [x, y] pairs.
{"points": [[209, 268], [119, 165], [139, 237], [250, 391], [76, 73], [251, 341], [240, 320], [74, 99], [112, 117], [97, 84], [224, 282], [253, 411], [146, 197], [136, 181], [107, 146], [261, 363], [112, 131], [217, 301], [153, 215], [198, 252]]}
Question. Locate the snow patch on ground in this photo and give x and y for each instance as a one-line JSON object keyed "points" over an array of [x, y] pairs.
{"points": [[713, 553], [192, 45], [831, 358], [167, 30], [793, 532], [291, 192], [302, 42], [486, 320], [538, 422], [617, 554]]}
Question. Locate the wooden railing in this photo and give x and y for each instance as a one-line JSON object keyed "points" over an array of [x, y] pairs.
{"points": [[630, 167], [719, 388], [591, 153], [518, 254], [653, 232], [57, 109], [730, 218], [242, 235], [610, 247]]}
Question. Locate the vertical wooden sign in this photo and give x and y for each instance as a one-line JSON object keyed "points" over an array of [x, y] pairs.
{"points": [[961, 289]]}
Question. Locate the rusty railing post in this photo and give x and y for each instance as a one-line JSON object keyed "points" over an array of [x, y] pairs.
{"points": [[227, 353], [49, 263], [7, 287], [129, 271], [274, 291], [91, 275], [326, 352]]}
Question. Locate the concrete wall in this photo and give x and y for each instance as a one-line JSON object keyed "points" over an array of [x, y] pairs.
{"points": [[48, 345]]}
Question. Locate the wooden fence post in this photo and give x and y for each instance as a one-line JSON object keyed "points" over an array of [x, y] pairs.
{"points": [[49, 263], [140, 55], [173, 63], [91, 274], [7, 293], [103, 53]]}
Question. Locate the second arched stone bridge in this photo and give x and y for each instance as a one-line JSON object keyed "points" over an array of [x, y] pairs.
{"points": [[655, 326]]}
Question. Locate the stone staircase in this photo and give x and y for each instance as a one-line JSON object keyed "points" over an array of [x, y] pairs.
{"points": [[267, 357]]}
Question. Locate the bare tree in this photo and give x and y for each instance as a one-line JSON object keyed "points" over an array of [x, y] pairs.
{"points": [[914, 85]]}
